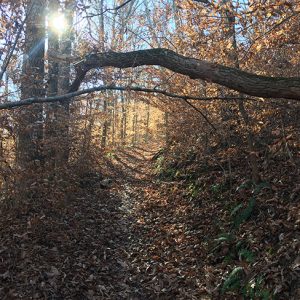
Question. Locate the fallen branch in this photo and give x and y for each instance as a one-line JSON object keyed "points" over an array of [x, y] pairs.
{"points": [[238, 80]]}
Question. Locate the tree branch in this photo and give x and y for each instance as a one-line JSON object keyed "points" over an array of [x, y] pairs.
{"points": [[203, 1], [202, 114], [65, 97], [238, 80], [123, 4], [11, 51], [110, 9]]}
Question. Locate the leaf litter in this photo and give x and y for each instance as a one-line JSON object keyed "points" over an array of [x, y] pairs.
{"points": [[147, 239]]}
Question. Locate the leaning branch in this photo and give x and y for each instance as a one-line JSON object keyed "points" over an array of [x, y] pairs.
{"points": [[235, 79], [65, 97]]}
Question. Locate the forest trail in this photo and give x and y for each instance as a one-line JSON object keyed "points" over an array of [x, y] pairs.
{"points": [[119, 243], [141, 238], [162, 250]]}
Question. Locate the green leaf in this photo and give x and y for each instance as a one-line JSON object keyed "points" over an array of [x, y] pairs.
{"points": [[261, 186], [233, 281], [236, 209], [245, 214], [226, 237], [244, 185], [247, 255]]}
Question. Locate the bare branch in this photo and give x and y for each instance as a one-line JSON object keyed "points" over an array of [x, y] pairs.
{"points": [[11, 51], [110, 9], [203, 1], [65, 97], [123, 4], [201, 113]]}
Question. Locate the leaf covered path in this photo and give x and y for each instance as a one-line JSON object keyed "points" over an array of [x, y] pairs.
{"points": [[163, 249], [93, 244], [139, 239]]}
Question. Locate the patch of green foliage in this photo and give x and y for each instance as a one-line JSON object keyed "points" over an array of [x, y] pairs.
{"points": [[218, 189], [251, 290], [163, 171], [241, 214], [236, 281], [110, 155], [193, 190], [254, 289], [246, 255], [233, 281]]}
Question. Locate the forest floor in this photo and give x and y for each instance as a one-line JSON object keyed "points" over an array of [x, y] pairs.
{"points": [[139, 239]]}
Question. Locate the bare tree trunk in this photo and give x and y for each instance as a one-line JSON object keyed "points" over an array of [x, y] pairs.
{"points": [[147, 123], [102, 46], [134, 124], [123, 119], [6, 89], [51, 133], [63, 114], [113, 120], [134, 129], [105, 125], [30, 125]]}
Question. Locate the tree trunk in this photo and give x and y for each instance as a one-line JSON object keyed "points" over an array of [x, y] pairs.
{"points": [[30, 120], [63, 112], [113, 120], [102, 47], [123, 119], [51, 132], [167, 134], [105, 124], [147, 135]]}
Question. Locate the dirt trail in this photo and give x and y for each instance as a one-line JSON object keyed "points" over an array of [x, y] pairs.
{"points": [[161, 255], [127, 242], [133, 169]]}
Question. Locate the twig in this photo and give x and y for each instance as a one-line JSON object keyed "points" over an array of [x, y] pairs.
{"points": [[202, 114]]}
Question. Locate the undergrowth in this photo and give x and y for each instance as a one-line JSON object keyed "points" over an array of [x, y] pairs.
{"points": [[236, 246]]}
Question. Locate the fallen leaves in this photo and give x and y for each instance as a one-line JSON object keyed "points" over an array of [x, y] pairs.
{"points": [[145, 239]]}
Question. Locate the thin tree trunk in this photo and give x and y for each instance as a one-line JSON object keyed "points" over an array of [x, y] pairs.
{"points": [[105, 125], [102, 47], [123, 119], [63, 114], [147, 123], [228, 12], [167, 135], [134, 124], [136, 129], [113, 120], [51, 133]]}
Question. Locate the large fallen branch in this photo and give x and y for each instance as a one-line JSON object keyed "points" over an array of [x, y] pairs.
{"points": [[34, 100], [244, 82]]}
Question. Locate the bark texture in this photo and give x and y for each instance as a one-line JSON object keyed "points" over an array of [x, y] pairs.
{"points": [[63, 111], [238, 80], [30, 120]]}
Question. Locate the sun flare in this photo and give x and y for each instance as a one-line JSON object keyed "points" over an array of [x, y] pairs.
{"points": [[58, 23]]}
